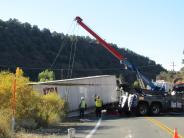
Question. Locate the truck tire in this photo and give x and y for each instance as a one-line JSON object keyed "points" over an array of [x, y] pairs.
{"points": [[142, 109], [155, 109]]}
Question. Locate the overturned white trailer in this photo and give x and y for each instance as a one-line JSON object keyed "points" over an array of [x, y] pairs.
{"points": [[73, 89]]}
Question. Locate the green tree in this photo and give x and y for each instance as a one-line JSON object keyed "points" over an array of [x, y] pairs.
{"points": [[136, 85], [171, 76], [182, 69], [23, 44], [46, 75]]}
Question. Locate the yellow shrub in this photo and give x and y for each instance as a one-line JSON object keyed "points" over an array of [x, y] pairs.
{"points": [[51, 108], [30, 105], [25, 98], [6, 80], [5, 131]]}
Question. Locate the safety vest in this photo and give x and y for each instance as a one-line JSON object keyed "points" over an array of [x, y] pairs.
{"points": [[98, 103], [83, 104]]}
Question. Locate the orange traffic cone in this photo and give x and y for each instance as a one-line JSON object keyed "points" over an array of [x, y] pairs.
{"points": [[175, 133]]}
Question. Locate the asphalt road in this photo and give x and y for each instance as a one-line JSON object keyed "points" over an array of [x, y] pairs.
{"points": [[131, 127], [111, 126]]}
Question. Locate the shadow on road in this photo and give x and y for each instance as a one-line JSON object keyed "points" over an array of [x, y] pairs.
{"points": [[81, 127], [85, 126], [124, 116]]}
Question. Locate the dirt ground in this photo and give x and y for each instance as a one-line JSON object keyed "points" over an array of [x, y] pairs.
{"points": [[56, 131]]}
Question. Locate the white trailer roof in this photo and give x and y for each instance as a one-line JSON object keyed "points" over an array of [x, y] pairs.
{"points": [[71, 81]]}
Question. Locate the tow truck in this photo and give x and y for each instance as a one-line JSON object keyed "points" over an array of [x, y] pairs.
{"points": [[152, 101]]}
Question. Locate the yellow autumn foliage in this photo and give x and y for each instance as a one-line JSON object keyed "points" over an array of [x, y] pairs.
{"points": [[30, 105], [5, 89], [50, 108], [5, 125]]}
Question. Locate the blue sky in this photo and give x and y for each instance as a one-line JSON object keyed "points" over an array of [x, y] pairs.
{"points": [[153, 28]]}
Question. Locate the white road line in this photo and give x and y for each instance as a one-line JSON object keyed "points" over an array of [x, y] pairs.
{"points": [[94, 129], [129, 134]]}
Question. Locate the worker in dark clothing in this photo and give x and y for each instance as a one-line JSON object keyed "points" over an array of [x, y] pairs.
{"points": [[98, 105], [82, 107]]}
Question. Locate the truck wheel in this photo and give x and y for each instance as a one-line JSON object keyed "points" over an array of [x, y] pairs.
{"points": [[155, 109], [142, 109]]}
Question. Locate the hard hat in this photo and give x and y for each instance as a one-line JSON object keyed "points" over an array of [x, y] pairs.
{"points": [[82, 98]]}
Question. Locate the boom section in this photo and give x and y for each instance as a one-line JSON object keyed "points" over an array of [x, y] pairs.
{"points": [[100, 40]]}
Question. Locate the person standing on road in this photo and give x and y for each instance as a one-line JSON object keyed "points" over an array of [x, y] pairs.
{"points": [[98, 105], [82, 107]]}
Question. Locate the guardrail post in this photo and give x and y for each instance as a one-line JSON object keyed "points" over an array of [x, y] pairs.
{"points": [[71, 133]]}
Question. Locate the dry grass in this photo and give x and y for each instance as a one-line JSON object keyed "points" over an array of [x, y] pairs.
{"points": [[5, 131], [31, 135]]}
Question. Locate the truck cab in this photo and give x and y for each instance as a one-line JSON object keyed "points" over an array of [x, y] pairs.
{"points": [[154, 102], [176, 97]]}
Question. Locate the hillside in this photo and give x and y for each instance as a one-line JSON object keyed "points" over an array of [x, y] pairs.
{"points": [[34, 50]]}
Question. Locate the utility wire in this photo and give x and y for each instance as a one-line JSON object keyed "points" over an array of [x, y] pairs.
{"points": [[86, 69]]}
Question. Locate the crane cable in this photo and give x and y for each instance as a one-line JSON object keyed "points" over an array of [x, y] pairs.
{"points": [[61, 47], [72, 54]]}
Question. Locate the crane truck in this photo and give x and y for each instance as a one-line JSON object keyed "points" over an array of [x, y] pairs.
{"points": [[152, 101]]}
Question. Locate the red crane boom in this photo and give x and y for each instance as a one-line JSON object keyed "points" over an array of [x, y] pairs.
{"points": [[112, 50], [101, 41]]}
